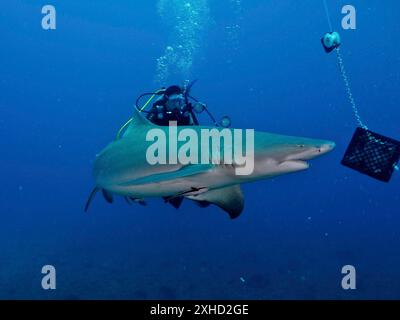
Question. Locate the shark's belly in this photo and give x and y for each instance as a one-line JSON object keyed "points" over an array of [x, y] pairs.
{"points": [[212, 179]]}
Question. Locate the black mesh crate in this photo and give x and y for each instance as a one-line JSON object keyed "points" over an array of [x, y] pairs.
{"points": [[372, 154]]}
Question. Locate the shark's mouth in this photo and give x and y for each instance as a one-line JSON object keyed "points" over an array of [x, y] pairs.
{"points": [[299, 161], [294, 164]]}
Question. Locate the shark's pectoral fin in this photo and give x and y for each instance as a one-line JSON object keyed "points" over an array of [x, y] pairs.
{"points": [[229, 199], [108, 196]]}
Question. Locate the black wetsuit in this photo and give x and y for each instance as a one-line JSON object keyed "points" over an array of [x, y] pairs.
{"points": [[183, 117]]}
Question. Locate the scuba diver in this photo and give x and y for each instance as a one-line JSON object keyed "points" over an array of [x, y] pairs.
{"points": [[174, 105]]}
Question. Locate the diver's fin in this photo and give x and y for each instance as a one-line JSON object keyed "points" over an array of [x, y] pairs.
{"points": [[107, 195], [174, 201], [229, 199], [91, 197]]}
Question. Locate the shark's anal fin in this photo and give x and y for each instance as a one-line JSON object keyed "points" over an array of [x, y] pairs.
{"points": [[90, 199], [229, 199]]}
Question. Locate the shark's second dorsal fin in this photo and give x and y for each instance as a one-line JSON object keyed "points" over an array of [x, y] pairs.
{"points": [[229, 199]]}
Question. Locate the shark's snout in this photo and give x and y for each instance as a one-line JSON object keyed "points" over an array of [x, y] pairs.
{"points": [[326, 147], [305, 152], [291, 156]]}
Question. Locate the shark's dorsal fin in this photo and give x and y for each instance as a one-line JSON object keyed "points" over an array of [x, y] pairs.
{"points": [[139, 119], [229, 199]]}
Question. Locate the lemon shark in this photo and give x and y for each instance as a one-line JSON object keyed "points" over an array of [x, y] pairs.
{"points": [[123, 169]]}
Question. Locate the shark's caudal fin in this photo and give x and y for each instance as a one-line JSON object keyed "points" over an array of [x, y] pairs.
{"points": [[107, 196], [90, 199], [229, 199]]}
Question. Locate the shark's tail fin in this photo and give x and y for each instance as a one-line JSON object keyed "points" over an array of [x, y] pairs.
{"points": [[91, 197], [107, 196]]}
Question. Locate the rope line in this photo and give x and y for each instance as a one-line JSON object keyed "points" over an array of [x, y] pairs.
{"points": [[351, 97], [348, 90], [328, 15]]}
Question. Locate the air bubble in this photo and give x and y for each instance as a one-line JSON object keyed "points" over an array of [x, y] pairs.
{"points": [[186, 22]]}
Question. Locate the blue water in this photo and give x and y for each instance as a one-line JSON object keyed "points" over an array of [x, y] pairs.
{"points": [[64, 93]]}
